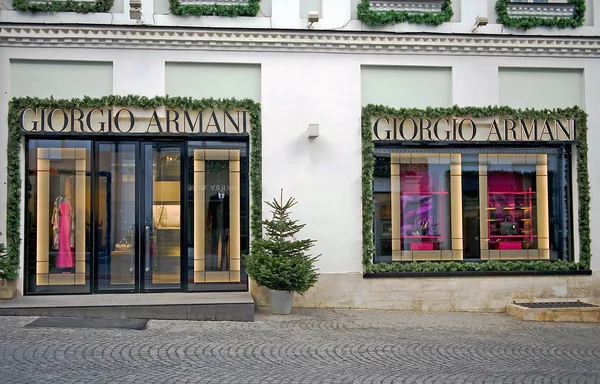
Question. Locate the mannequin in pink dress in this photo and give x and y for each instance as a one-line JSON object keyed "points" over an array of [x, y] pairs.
{"points": [[65, 254]]}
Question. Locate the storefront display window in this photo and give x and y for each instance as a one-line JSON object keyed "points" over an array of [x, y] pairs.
{"points": [[58, 215], [144, 208], [217, 229], [459, 204], [516, 204]]}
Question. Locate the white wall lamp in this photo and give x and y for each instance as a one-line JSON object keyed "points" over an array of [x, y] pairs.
{"points": [[480, 21], [135, 9], [312, 131], [313, 17]]}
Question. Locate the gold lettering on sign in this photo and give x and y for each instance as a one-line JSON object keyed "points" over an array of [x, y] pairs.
{"points": [[131, 121], [469, 129]]}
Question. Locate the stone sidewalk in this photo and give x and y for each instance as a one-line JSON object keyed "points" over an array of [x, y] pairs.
{"points": [[309, 346]]}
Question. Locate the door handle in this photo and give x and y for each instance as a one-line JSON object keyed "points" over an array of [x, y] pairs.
{"points": [[147, 250]]}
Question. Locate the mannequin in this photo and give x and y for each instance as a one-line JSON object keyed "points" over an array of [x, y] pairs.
{"points": [[218, 223], [63, 231]]}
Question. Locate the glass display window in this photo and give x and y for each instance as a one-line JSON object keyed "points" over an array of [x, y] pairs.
{"points": [[413, 219], [136, 216], [472, 204], [514, 195], [217, 230], [58, 215]]}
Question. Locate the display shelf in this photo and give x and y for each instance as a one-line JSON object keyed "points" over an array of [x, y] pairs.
{"points": [[510, 218], [434, 216]]}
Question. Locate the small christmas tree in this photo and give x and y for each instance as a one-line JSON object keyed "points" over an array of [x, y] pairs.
{"points": [[279, 261]]}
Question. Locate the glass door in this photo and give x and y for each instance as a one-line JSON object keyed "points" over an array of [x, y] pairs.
{"points": [[117, 200], [161, 216], [139, 216]]}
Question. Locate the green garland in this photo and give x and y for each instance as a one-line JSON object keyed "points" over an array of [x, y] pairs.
{"points": [[533, 21], [98, 6], [469, 266], [251, 9], [372, 17], [368, 202], [10, 264]]}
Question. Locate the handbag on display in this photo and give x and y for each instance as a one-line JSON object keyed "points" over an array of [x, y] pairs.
{"points": [[421, 229], [508, 227]]}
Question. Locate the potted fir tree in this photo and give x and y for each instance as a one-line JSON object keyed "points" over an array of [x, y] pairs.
{"points": [[279, 261]]}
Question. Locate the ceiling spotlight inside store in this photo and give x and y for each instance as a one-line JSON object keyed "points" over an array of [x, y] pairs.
{"points": [[313, 17], [480, 21], [135, 9]]}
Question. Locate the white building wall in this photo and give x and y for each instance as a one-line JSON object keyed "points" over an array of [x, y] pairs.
{"points": [[592, 99], [296, 89], [288, 14], [323, 174]]}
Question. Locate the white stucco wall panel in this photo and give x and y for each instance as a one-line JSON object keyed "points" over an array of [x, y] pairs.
{"points": [[132, 78], [61, 79], [323, 174], [592, 98], [407, 86], [541, 87], [217, 80]]}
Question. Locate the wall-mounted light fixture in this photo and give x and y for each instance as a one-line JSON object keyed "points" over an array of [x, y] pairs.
{"points": [[312, 131], [135, 9], [480, 21], [313, 17]]}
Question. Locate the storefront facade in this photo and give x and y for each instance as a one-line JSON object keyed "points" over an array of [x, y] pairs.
{"points": [[472, 189], [405, 97], [169, 213]]}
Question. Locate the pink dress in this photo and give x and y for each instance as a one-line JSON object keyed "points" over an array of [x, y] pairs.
{"points": [[65, 255]]}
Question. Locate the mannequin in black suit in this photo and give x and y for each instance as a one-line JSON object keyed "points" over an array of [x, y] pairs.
{"points": [[218, 223]]}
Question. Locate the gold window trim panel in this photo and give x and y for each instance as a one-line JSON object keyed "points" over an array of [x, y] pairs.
{"points": [[44, 158], [201, 275], [456, 251]]}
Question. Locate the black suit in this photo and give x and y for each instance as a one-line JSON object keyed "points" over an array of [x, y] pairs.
{"points": [[218, 221]]}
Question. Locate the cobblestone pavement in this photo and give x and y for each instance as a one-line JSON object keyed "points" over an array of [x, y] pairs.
{"points": [[309, 346]]}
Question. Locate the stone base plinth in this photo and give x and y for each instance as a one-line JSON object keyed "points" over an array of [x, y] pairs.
{"points": [[439, 294]]}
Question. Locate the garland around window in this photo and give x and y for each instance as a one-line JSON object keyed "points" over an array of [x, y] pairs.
{"points": [[98, 6], [527, 22], [9, 263], [368, 203], [250, 9], [373, 18]]}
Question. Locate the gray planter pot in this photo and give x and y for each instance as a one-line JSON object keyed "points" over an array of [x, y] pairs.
{"points": [[8, 289], [280, 302]]}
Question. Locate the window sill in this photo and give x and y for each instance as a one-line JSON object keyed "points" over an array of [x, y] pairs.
{"points": [[475, 274]]}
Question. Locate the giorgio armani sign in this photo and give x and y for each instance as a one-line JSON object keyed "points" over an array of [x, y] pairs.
{"points": [[473, 129], [133, 121]]}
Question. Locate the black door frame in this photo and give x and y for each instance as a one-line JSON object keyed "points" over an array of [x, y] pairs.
{"points": [[139, 141], [140, 225]]}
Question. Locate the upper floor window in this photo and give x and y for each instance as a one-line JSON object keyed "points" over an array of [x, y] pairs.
{"points": [[379, 12], [525, 14]]}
